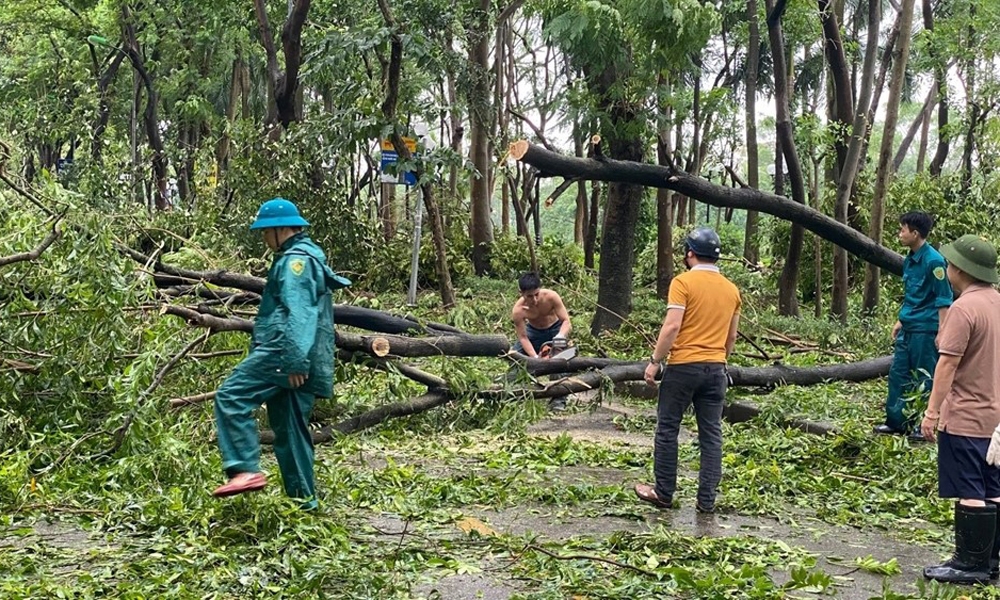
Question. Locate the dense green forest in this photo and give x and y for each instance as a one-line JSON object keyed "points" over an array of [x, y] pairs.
{"points": [[139, 138]]}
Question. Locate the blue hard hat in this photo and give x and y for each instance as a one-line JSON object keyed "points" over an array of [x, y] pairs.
{"points": [[703, 242], [278, 213]]}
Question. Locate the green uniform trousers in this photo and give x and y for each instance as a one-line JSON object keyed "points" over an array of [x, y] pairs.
{"points": [[910, 376], [288, 410]]}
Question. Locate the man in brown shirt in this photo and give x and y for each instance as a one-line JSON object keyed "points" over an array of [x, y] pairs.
{"points": [[964, 409]]}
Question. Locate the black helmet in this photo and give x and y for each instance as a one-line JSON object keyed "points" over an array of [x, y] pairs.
{"points": [[703, 242]]}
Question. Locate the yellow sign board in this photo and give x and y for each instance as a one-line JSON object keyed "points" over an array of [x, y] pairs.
{"points": [[411, 145]]}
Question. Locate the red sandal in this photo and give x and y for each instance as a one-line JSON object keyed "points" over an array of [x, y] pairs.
{"points": [[244, 482]]}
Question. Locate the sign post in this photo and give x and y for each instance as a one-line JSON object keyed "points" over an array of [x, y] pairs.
{"points": [[418, 211]]}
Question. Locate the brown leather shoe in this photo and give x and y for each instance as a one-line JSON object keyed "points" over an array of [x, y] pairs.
{"points": [[244, 482]]}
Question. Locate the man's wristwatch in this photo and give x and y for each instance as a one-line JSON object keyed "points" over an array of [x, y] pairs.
{"points": [[654, 361]]}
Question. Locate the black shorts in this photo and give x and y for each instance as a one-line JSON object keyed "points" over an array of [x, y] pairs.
{"points": [[962, 468]]}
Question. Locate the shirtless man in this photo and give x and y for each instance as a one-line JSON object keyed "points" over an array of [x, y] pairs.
{"points": [[540, 316]]}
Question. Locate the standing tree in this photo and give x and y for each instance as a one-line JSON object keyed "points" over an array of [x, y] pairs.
{"points": [[285, 106], [884, 173], [789, 279]]}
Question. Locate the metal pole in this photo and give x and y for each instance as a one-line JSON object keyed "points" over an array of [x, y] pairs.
{"points": [[411, 298]]}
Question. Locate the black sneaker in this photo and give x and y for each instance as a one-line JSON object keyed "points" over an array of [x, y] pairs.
{"points": [[916, 437], [705, 510], [557, 404]]}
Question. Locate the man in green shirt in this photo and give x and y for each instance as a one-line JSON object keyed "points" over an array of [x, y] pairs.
{"points": [[289, 365], [927, 296]]}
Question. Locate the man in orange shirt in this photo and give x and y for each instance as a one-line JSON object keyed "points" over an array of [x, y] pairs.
{"points": [[697, 337]]}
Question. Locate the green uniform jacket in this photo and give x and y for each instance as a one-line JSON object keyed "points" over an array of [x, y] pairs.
{"points": [[293, 333], [925, 288]]}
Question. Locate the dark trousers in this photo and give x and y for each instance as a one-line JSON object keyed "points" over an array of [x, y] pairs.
{"points": [[537, 337], [910, 377], [703, 385]]}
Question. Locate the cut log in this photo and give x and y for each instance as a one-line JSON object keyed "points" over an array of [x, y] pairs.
{"points": [[451, 345], [190, 400], [553, 164]]}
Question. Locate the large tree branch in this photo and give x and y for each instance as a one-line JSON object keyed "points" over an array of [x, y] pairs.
{"points": [[36, 252], [291, 41], [267, 40], [656, 176]]}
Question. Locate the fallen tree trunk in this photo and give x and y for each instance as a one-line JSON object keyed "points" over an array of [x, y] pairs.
{"points": [[452, 345], [553, 164], [443, 345], [740, 376], [613, 371]]}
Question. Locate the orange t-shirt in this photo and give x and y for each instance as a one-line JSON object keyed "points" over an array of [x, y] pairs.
{"points": [[709, 301]]}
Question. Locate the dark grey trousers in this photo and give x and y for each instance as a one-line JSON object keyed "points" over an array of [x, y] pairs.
{"points": [[704, 385]]}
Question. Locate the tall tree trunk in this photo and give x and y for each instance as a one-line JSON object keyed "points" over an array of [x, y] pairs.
{"points": [[925, 129], [884, 173], [852, 164], [843, 91], [751, 247], [104, 105], [580, 217], [590, 241], [614, 289], [151, 121], [789, 278], [224, 147], [941, 79], [430, 203], [664, 240], [480, 121], [922, 117], [972, 107], [386, 214], [664, 204]]}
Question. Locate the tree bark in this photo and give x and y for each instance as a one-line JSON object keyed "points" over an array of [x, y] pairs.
{"points": [[843, 91], [104, 105], [614, 288], [751, 246], [941, 80], [664, 205], [883, 175], [480, 121], [918, 123], [553, 164], [283, 85], [590, 241], [789, 278], [852, 163], [451, 345]]}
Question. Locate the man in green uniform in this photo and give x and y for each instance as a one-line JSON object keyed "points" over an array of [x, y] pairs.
{"points": [[289, 365], [927, 296]]}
